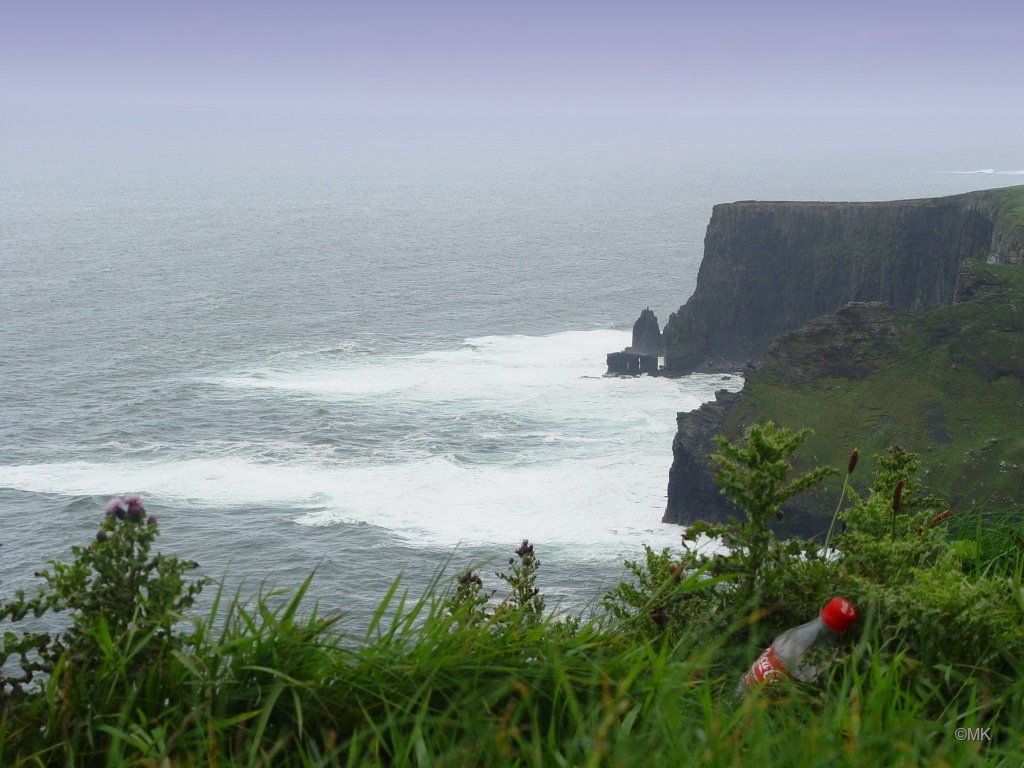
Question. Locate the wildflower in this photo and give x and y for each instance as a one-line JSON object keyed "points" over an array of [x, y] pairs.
{"points": [[101, 536], [469, 577], [151, 520], [526, 548], [115, 507], [852, 464], [134, 502]]}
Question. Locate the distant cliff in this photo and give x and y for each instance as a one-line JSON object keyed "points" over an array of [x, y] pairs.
{"points": [[930, 355], [768, 268]]}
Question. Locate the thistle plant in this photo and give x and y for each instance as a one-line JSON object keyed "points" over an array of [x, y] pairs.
{"points": [[524, 602], [116, 593]]}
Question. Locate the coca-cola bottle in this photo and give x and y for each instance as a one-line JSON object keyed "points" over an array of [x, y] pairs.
{"points": [[788, 655]]}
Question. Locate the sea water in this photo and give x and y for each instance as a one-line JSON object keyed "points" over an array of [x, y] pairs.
{"points": [[357, 365]]}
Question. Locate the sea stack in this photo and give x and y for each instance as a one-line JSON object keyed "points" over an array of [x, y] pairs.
{"points": [[642, 356]]}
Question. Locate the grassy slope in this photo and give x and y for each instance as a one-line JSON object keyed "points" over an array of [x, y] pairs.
{"points": [[950, 386], [1010, 213]]}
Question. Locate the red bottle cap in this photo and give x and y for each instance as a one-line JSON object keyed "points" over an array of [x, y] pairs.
{"points": [[838, 614]]}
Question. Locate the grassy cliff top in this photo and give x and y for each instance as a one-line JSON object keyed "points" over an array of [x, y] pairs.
{"points": [[947, 383], [1010, 213]]}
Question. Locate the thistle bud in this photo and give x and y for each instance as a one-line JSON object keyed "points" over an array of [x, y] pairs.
{"points": [[151, 520], [101, 536], [852, 463], [658, 615], [526, 548], [134, 503]]}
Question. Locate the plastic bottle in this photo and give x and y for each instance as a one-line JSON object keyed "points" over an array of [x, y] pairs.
{"points": [[786, 657]]}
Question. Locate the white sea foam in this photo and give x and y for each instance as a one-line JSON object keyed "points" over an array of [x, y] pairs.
{"points": [[487, 367], [594, 476], [435, 501], [986, 171]]}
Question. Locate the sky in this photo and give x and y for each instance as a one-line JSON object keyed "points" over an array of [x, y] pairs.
{"points": [[910, 62]]}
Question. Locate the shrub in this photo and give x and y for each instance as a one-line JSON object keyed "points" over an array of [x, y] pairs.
{"points": [[122, 602]]}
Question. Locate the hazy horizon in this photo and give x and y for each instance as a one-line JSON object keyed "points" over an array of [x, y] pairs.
{"points": [[929, 78]]}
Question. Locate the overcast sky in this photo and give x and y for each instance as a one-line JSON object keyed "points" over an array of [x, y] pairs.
{"points": [[903, 60]]}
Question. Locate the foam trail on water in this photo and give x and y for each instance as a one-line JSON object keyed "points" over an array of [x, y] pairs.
{"points": [[549, 449]]}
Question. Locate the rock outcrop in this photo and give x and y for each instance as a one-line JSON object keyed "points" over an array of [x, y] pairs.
{"points": [[647, 338], [692, 493], [643, 354], [768, 268]]}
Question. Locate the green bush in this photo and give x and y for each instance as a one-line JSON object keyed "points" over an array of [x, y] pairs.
{"points": [[122, 602]]}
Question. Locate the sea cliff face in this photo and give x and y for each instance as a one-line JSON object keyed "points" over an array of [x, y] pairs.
{"points": [[928, 354], [768, 267]]}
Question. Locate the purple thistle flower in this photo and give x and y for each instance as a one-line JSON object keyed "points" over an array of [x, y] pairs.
{"points": [[115, 506], [526, 548], [134, 502], [151, 520], [101, 536], [135, 514]]}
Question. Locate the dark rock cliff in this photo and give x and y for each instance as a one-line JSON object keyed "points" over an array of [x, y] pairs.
{"points": [[770, 267], [692, 493]]}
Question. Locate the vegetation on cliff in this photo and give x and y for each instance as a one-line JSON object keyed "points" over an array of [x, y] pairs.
{"points": [[933, 672], [947, 383]]}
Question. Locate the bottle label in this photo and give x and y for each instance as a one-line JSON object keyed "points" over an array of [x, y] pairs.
{"points": [[768, 669]]}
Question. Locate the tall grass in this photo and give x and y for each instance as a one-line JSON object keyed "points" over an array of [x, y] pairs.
{"points": [[276, 687], [447, 678]]}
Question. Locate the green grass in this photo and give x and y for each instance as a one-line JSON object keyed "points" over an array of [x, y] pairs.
{"points": [[949, 385], [274, 690], [1010, 214], [272, 684]]}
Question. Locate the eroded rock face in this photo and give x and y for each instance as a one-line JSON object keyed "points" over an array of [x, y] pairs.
{"points": [[692, 493], [768, 268]]}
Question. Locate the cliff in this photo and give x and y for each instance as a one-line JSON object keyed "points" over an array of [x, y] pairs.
{"points": [[946, 382], [878, 323], [768, 268]]}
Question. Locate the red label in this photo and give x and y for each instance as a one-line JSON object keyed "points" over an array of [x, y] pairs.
{"points": [[766, 670]]}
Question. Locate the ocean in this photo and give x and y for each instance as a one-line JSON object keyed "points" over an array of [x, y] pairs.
{"points": [[363, 364]]}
